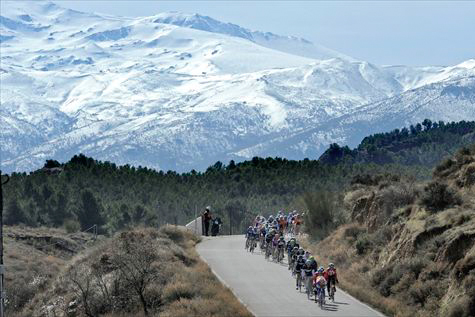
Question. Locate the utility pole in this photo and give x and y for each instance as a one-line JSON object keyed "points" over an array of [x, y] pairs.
{"points": [[2, 268]]}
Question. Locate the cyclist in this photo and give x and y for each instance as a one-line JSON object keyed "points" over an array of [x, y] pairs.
{"points": [[249, 234], [293, 257], [319, 282], [282, 224], [314, 262], [330, 276], [299, 265], [290, 246], [268, 238], [253, 239], [308, 274], [262, 235]]}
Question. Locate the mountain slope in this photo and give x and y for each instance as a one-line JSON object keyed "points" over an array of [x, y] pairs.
{"points": [[178, 91]]}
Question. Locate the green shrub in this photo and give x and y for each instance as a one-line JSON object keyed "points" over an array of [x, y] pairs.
{"points": [[391, 279], [438, 196], [71, 226], [320, 218], [363, 244]]}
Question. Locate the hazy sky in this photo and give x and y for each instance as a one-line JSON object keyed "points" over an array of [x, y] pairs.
{"points": [[389, 32]]}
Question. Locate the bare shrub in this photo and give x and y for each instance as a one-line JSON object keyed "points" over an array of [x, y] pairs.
{"points": [[137, 260]]}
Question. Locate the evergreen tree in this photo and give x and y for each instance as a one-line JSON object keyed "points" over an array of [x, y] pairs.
{"points": [[14, 214], [89, 212]]}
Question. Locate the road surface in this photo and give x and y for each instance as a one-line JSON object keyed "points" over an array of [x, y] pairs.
{"points": [[267, 288]]}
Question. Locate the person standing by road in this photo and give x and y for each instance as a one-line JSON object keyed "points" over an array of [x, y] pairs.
{"points": [[206, 220]]}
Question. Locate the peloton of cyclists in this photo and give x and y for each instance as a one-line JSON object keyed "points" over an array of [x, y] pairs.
{"points": [[271, 234]]}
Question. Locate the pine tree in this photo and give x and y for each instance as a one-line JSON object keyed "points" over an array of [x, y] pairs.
{"points": [[89, 212]]}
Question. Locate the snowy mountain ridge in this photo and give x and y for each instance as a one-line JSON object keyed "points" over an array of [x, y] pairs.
{"points": [[181, 91]]}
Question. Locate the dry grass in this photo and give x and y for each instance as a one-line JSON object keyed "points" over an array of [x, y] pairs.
{"points": [[32, 262], [180, 284]]}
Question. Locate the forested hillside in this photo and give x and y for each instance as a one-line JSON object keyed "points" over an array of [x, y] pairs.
{"points": [[83, 191], [425, 143]]}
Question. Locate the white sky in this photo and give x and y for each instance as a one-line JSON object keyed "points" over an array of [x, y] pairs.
{"points": [[382, 32]]}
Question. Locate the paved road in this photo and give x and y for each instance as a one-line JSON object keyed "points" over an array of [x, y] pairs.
{"points": [[267, 288]]}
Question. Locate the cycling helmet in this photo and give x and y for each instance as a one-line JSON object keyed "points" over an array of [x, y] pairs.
{"points": [[281, 238], [321, 269], [300, 257], [311, 258], [331, 265], [295, 248]]}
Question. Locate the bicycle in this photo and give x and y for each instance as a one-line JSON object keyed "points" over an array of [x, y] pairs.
{"points": [[268, 251], [290, 260], [262, 243], [320, 295], [308, 286], [332, 291], [299, 281], [252, 245]]}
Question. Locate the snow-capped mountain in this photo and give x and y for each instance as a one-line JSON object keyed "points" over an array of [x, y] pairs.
{"points": [[181, 91]]}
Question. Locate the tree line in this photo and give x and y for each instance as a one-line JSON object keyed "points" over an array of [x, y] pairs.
{"points": [[84, 191]]}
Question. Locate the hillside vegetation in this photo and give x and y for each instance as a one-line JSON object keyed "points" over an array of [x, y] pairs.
{"points": [[83, 192], [409, 247], [421, 144], [135, 273], [35, 256]]}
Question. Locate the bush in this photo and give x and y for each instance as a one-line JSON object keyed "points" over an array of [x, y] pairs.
{"points": [[363, 244], [382, 236], [319, 219], [462, 307], [391, 279], [353, 231], [72, 226], [438, 196], [177, 291], [420, 291], [445, 165], [396, 196]]}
